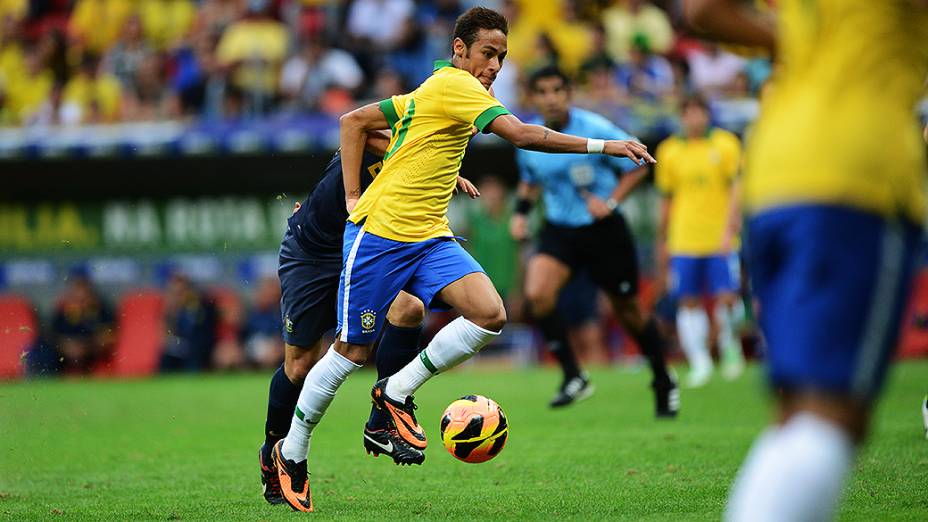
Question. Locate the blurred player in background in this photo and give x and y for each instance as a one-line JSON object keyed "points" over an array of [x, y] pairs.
{"points": [[583, 231], [699, 226], [834, 188], [310, 264], [397, 238]]}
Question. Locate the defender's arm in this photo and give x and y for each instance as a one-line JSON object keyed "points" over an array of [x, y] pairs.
{"points": [[354, 127]]}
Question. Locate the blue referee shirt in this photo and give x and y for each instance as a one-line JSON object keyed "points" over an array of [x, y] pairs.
{"points": [[566, 177]]}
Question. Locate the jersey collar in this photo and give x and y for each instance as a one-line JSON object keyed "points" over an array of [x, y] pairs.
{"points": [[440, 64]]}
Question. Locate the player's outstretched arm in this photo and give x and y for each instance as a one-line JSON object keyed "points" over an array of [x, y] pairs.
{"points": [[354, 127], [732, 21], [536, 137]]}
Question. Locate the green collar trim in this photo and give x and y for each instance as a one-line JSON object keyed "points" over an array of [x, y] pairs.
{"points": [[441, 64]]}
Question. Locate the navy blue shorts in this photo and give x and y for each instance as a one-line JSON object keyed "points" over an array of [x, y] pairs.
{"points": [[695, 276], [308, 290], [377, 269], [577, 303], [832, 283]]}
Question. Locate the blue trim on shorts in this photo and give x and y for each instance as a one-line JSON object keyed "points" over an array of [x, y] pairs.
{"points": [[695, 276]]}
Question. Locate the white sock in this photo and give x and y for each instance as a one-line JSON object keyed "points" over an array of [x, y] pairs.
{"points": [[319, 389], [693, 331], [725, 319], [795, 472], [458, 341]]}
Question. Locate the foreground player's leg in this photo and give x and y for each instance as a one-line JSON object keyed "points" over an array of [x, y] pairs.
{"points": [[925, 400], [730, 353], [544, 279], [693, 331], [290, 454], [652, 344], [482, 318], [398, 345], [281, 401]]}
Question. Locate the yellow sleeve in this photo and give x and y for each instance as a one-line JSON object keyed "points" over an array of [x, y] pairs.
{"points": [[393, 108], [230, 47], [663, 170], [466, 101]]}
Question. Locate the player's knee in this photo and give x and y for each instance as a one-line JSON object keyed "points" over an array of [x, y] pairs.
{"points": [[540, 302], [297, 367], [493, 318], [406, 311], [356, 353]]}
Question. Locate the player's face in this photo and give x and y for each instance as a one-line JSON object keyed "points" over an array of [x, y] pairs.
{"points": [[552, 98], [484, 58], [695, 119]]}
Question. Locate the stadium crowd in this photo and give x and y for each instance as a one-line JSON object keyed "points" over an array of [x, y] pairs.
{"points": [[75, 62]]}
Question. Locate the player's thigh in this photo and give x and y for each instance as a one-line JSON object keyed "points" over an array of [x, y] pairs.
{"points": [[375, 271], [545, 276], [308, 292], [611, 256], [832, 283], [477, 300], [407, 311]]}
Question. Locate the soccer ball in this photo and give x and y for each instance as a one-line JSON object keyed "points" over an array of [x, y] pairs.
{"points": [[474, 429]]}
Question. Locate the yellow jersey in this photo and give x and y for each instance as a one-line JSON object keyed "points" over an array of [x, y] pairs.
{"points": [[839, 125], [698, 174], [431, 126]]}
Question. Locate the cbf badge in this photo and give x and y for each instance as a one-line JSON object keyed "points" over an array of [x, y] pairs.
{"points": [[288, 324], [368, 319]]}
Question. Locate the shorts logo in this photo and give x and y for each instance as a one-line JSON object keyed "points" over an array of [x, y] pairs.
{"points": [[288, 324], [368, 319]]}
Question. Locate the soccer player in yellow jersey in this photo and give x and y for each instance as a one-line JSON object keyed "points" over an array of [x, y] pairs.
{"points": [[699, 226], [397, 238], [833, 187]]}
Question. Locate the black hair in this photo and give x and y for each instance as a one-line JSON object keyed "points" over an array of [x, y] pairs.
{"points": [[695, 99], [548, 71], [476, 18]]}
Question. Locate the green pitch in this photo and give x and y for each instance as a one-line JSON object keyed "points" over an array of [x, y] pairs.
{"points": [[185, 448]]}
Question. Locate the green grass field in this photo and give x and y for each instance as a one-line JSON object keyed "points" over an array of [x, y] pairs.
{"points": [[185, 448]]}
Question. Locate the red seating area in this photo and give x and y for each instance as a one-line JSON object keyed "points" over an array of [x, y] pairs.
{"points": [[18, 330]]}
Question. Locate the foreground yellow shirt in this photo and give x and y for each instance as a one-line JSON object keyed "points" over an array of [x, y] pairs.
{"points": [[698, 175], [839, 126], [431, 126]]}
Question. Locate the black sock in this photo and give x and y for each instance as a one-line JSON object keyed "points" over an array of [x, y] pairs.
{"points": [[652, 346], [396, 348], [555, 334], [281, 402]]}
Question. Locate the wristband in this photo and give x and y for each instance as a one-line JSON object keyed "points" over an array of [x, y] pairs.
{"points": [[612, 204], [524, 206], [595, 146]]}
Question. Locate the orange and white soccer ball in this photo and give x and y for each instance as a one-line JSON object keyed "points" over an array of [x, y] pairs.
{"points": [[474, 429]]}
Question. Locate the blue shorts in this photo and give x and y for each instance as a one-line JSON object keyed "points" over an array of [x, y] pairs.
{"points": [[376, 269], [832, 283], [308, 290], [577, 303], [698, 276]]}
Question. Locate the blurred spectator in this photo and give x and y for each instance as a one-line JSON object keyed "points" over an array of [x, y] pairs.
{"points": [[195, 76], [712, 70], [378, 25], [91, 96], [190, 321], [412, 54], [627, 20], [96, 24], [388, 83], [53, 49], [252, 50], [215, 16], [166, 22], [646, 75], [264, 346], [488, 237], [15, 9], [12, 60], [149, 99], [600, 91], [27, 92], [230, 317], [572, 37], [125, 58], [315, 68], [82, 327]]}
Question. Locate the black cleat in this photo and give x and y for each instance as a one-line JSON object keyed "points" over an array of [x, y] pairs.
{"points": [[667, 398], [572, 390], [270, 482], [388, 442]]}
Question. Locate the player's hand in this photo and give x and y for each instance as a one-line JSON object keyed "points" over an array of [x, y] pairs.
{"points": [[296, 207], [518, 227], [597, 207], [464, 185], [632, 150], [350, 203]]}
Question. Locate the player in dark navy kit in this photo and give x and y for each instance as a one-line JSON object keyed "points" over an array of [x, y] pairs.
{"points": [[310, 265]]}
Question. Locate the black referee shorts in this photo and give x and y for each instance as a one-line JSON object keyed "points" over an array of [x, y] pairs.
{"points": [[605, 248]]}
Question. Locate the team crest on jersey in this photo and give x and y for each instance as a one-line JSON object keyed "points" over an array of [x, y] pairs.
{"points": [[368, 320]]}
